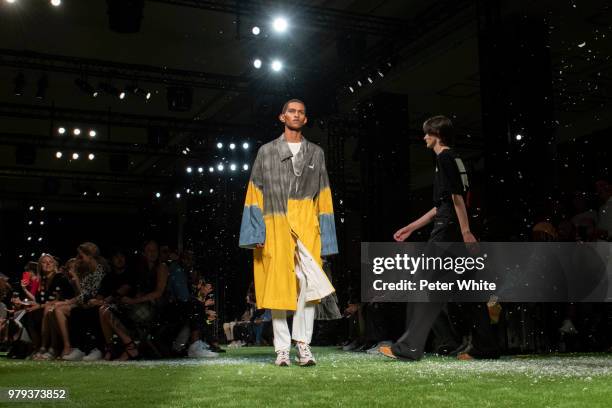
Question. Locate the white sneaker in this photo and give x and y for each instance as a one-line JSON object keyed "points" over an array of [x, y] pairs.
{"points": [[74, 355], [304, 355], [197, 350], [282, 358], [94, 355]]}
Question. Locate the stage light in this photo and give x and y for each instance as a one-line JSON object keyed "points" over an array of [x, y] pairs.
{"points": [[157, 195], [245, 145], [276, 65], [19, 84], [370, 80], [257, 63], [86, 87], [11, 1], [200, 192], [61, 130], [122, 95], [98, 194], [39, 239], [91, 156], [280, 24], [31, 208], [42, 208], [178, 195], [184, 152], [219, 145], [200, 169], [211, 191], [256, 30], [75, 156], [42, 223], [519, 137], [189, 169], [148, 95], [92, 133], [188, 190], [351, 89], [232, 167], [76, 131], [56, 3], [30, 222], [220, 167], [59, 155], [41, 89], [84, 193], [29, 238], [359, 83], [381, 74], [211, 169], [232, 146], [245, 167]]}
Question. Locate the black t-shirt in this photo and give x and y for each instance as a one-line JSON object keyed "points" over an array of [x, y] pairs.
{"points": [[112, 281], [450, 178], [58, 289]]}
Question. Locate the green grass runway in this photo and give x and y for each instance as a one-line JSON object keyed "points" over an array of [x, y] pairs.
{"points": [[247, 378]]}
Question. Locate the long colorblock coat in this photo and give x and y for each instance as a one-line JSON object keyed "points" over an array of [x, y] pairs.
{"points": [[282, 205]]}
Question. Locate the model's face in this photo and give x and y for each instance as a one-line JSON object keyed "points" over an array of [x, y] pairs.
{"points": [[295, 116], [430, 140]]}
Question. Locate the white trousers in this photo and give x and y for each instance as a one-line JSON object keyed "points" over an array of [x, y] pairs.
{"points": [[303, 318]]}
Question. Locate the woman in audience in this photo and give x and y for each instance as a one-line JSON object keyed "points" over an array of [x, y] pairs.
{"points": [[91, 268], [30, 280], [140, 310], [54, 287]]}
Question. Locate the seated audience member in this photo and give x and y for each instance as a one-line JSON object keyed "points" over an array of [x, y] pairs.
{"points": [[184, 308], [30, 280], [206, 297], [39, 319], [139, 311], [230, 328], [90, 270]]}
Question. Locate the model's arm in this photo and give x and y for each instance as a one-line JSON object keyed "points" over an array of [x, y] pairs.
{"points": [[253, 227], [403, 233], [325, 212], [464, 222]]}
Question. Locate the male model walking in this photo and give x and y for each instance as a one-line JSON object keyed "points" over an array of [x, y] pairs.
{"points": [[451, 224], [288, 221]]}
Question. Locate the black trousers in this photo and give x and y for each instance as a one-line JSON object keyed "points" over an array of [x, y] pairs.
{"points": [[421, 316]]}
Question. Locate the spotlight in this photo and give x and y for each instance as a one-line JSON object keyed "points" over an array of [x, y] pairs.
{"points": [[157, 195], [56, 3], [219, 145], [148, 95], [178, 195], [92, 133], [245, 167], [86, 87], [42, 208], [200, 169], [76, 131], [211, 191], [245, 145], [381, 74], [98, 194], [232, 146], [519, 137], [220, 167], [199, 192], [188, 190], [41, 89], [276, 65], [39, 239], [359, 83], [189, 169], [11, 1], [257, 63], [232, 167], [280, 24], [75, 156], [19, 84], [370, 80], [351, 89], [29, 238], [211, 169], [91, 156], [29, 222], [122, 95], [61, 130], [256, 30], [31, 208], [42, 223], [59, 155]]}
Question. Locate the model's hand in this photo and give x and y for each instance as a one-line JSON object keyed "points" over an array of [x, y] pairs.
{"points": [[470, 242], [403, 233], [259, 245]]}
